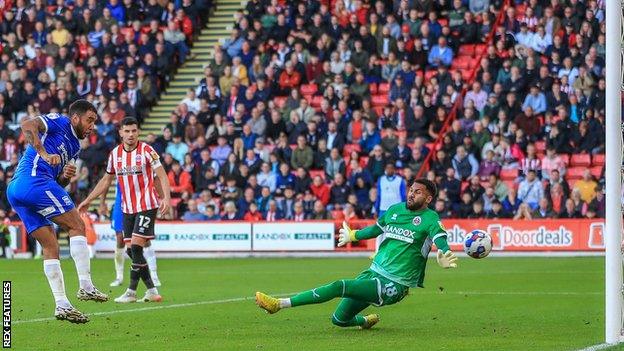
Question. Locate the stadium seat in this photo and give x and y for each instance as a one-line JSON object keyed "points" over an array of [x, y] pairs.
{"points": [[380, 100], [565, 158], [316, 172], [540, 146], [509, 174], [480, 49], [309, 89], [349, 148], [383, 88], [373, 88], [466, 50], [580, 160], [280, 101], [598, 160], [596, 171], [574, 173]]}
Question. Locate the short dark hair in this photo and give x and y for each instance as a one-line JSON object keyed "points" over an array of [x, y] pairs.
{"points": [[431, 187], [80, 107], [129, 121]]}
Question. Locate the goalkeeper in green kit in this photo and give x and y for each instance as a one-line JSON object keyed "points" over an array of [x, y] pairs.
{"points": [[410, 228]]}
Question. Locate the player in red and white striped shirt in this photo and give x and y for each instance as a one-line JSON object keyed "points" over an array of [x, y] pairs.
{"points": [[135, 163]]}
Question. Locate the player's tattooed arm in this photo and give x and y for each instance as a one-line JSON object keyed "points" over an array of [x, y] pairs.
{"points": [[31, 127]]}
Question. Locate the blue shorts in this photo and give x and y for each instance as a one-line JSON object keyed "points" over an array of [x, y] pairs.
{"points": [[117, 218], [36, 200]]}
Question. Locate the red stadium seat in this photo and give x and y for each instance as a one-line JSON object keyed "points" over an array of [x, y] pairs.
{"points": [[464, 185], [430, 73], [384, 88], [565, 158], [598, 160], [363, 161], [309, 89], [596, 171], [280, 101], [316, 101], [316, 172], [373, 88], [349, 148], [380, 100], [480, 48], [466, 50], [574, 173], [580, 160], [540, 146], [378, 110], [509, 174]]}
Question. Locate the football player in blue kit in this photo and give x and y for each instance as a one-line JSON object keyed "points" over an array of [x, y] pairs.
{"points": [[37, 194]]}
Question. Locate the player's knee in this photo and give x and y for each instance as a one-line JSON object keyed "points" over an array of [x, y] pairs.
{"points": [[337, 322]]}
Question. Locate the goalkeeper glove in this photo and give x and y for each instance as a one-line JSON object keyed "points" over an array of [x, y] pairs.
{"points": [[346, 235], [447, 260]]}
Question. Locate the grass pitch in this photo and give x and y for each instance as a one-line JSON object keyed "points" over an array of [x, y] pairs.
{"points": [[490, 304]]}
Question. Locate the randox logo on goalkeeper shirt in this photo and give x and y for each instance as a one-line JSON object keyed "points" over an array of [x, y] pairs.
{"points": [[399, 233]]}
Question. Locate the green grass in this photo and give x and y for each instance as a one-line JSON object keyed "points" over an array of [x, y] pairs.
{"points": [[491, 304]]}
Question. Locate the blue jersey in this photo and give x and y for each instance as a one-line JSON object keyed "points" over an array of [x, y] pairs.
{"points": [[34, 192], [116, 214], [59, 138]]}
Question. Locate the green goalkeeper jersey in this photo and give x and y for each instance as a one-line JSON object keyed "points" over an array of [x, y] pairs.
{"points": [[402, 256]]}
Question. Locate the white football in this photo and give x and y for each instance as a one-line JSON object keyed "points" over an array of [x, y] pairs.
{"points": [[478, 244]]}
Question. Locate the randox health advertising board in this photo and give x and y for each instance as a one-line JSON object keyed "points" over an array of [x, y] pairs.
{"points": [[179, 236], [293, 236]]}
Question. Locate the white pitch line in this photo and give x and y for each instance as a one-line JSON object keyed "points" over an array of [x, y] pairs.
{"points": [[189, 304], [238, 299], [597, 347]]}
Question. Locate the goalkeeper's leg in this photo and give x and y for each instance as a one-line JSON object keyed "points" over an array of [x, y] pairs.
{"points": [[346, 315], [364, 290]]}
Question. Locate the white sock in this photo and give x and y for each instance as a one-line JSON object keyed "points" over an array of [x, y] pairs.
{"points": [[130, 291], [52, 270], [80, 253], [150, 257], [153, 291], [284, 303], [119, 262]]}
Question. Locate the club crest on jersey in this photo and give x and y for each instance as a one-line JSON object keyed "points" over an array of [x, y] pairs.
{"points": [[416, 220], [394, 217]]}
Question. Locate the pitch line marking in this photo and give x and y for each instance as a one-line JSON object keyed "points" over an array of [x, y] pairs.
{"points": [[598, 347], [247, 298]]}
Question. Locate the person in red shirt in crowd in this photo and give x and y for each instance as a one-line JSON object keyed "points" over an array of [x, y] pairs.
{"points": [[253, 215], [320, 190], [179, 179], [289, 79]]}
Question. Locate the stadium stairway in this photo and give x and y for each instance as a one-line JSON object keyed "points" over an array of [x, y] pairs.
{"points": [[188, 76]]}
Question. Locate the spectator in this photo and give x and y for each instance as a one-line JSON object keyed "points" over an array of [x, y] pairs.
{"points": [[192, 214], [586, 186], [177, 148], [530, 190], [440, 54], [543, 211], [273, 214], [334, 164], [179, 180], [302, 155], [252, 214], [464, 164], [230, 212]]}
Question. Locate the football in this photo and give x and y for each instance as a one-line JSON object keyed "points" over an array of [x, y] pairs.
{"points": [[478, 244]]}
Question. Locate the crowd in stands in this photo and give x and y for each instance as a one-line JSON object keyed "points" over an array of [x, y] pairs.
{"points": [[118, 54], [328, 109]]}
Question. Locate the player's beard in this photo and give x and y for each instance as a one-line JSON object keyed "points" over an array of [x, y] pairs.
{"points": [[414, 205]]}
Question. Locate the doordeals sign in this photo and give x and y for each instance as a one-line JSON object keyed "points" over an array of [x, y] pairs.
{"points": [[293, 236], [188, 237], [535, 235]]}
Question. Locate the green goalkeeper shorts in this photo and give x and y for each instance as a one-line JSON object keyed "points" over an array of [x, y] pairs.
{"points": [[388, 292]]}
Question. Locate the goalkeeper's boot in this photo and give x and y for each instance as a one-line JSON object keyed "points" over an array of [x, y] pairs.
{"points": [[268, 303], [151, 296], [371, 320], [117, 282], [127, 297], [94, 295], [70, 314]]}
